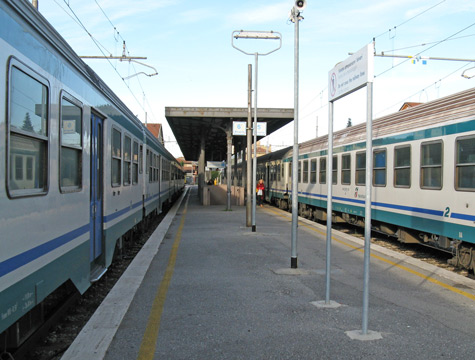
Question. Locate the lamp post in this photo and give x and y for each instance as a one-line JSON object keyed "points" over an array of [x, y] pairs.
{"points": [[266, 35], [295, 17]]}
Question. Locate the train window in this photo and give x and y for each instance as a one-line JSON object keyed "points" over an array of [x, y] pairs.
{"points": [[335, 170], [313, 171], [300, 172], [379, 167], [465, 164], [323, 171], [153, 168], [305, 171], [158, 168], [278, 172], [150, 167], [116, 156], [141, 159], [360, 170], [127, 159], [282, 169], [28, 120], [147, 160], [346, 169], [70, 173], [402, 167], [431, 165], [135, 163]]}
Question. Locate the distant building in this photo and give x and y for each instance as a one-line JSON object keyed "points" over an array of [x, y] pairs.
{"points": [[156, 130], [190, 168], [408, 105]]}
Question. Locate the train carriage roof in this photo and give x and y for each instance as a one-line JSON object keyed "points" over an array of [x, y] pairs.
{"points": [[451, 108]]}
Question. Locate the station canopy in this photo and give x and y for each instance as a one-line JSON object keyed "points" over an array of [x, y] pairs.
{"points": [[190, 124]]}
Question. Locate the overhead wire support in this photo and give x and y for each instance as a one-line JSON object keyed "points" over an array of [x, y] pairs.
{"points": [[124, 57], [418, 57]]}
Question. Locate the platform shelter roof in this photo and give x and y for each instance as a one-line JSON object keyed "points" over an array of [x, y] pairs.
{"points": [[189, 124]]}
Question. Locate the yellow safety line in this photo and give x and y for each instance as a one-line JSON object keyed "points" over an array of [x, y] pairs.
{"points": [[402, 267], [149, 340]]}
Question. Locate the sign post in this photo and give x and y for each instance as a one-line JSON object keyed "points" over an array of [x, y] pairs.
{"points": [[346, 77], [266, 35]]}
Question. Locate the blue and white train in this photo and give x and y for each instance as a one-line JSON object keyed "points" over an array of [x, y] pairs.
{"points": [[423, 188], [79, 170]]}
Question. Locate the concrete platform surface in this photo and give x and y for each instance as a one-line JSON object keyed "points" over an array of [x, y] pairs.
{"points": [[215, 290]]}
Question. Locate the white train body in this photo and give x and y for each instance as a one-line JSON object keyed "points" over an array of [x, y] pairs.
{"points": [[423, 187], [80, 170]]}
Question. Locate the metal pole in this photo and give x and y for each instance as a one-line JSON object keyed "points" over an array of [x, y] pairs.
{"points": [[254, 160], [367, 226], [295, 151], [229, 138], [329, 200], [249, 147]]}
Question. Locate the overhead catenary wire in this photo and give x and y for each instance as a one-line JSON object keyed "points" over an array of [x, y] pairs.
{"points": [[425, 44], [424, 89], [410, 19], [102, 48], [420, 52]]}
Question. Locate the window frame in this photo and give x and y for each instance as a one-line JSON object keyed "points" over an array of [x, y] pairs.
{"points": [[345, 170], [359, 169], [299, 180], [18, 133], [322, 174], [135, 161], [335, 170], [457, 166], [313, 172], [381, 168], [116, 157], [305, 175], [69, 189], [396, 168], [441, 166]]}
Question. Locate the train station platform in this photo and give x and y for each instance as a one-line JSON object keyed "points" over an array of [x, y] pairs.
{"points": [[205, 287]]}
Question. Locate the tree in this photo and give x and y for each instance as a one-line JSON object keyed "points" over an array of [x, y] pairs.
{"points": [[27, 125], [349, 124]]}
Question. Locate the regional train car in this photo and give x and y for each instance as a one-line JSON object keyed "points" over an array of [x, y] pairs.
{"points": [[423, 176], [80, 171]]}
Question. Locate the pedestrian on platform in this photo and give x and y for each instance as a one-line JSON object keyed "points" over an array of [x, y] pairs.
{"points": [[260, 192]]}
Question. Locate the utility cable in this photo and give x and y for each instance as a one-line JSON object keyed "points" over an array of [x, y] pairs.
{"points": [[436, 44], [425, 44], [100, 46], [412, 18], [424, 89]]}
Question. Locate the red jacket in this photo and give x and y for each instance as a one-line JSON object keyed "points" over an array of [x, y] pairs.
{"points": [[260, 187]]}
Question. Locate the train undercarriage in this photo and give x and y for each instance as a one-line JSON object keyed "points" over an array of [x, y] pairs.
{"points": [[463, 253]]}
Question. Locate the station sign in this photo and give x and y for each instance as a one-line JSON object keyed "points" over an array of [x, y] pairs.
{"points": [[352, 73], [239, 128]]}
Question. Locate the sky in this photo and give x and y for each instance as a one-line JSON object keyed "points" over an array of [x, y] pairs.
{"points": [[189, 44]]}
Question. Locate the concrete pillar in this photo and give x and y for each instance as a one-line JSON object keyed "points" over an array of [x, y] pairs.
{"points": [[237, 150]]}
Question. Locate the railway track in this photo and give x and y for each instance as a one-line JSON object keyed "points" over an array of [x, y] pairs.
{"points": [[424, 253], [53, 338]]}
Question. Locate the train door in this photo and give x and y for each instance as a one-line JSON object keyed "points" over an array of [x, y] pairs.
{"points": [[97, 187]]}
